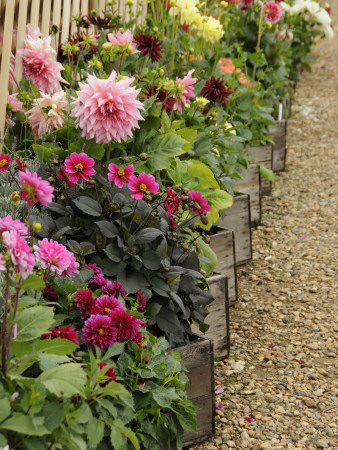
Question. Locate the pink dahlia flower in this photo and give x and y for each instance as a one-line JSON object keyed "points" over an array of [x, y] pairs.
{"points": [[9, 224], [115, 289], [136, 325], [13, 104], [39, 65], [53, 256], [98, 331], [79, 167], [67, 332], [98, 281], [199, 204], [47, 113], [141, 300], [35, 189], [20, 253], [273, 12], [123, 41], [64, 176], [144, 183], [106, 110], [5, 161], [106, 304], [173, 201], [2, 263], [71, 270], [95, 268], [185, 91], [34, 33], [85, 302], [245, 4], [119, 175]]}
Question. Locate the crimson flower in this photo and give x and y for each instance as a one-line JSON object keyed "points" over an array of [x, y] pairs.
{"points": [[273, 12], [49, 294], [142, 301], [85, 302], [199, 204], [21, 164], [95, 268], [98, 331], [5, 161], [64, 176], [149, 45], [122, 322], [115, 289], [172, 223], [216, 89], [163, 97], [173, 201], [249, 419], [119, 175], [144, 183], [67, 332], [79, 166], [245, 4], [106, 304], [109, 375]]}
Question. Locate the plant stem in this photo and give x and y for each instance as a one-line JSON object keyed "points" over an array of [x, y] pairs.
{"points": [[4, 325], [260, 32]]}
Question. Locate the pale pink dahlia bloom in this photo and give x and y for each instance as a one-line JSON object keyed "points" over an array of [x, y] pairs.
{"points": [[79, 166], [35, 189], [120, 175], [2, 263], [107, 110], [35, 33], [144, 183], [273, 12], [47, 113], [13, 104], [123, 40], [39, 65], [20, 253], [54, 256], [8, 224], [185, 91]]}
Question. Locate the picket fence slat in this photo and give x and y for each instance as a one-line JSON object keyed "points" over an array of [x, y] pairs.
{"points": [[45, 22], [35, 13], [84, 7], [22, 22], [75, 12], [56, 21]]}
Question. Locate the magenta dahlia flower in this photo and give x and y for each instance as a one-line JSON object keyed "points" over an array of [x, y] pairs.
{"points": [[109, 374], [98, 281], [118, 175], [67, 332], [20, 252], [64, 176], [95, 268], [8, 224], [2, 262], [173, 201], [5, 161], [85, 302], [122, 321], [79, 167], [106, 304], [53, 256], [98, 331], [35, 189], [185, 91], [141, 300], [144, 183], [273, 12], [114, 289], [199, 204], [136, 325], [107, 110], [13, 104]]}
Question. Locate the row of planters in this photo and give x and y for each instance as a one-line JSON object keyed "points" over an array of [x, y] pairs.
{"points": [[131, 171]]}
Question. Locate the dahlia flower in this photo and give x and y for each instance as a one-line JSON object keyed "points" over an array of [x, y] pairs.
{"points": [[47, 113], [186, 9], [97, 281], [106, 304], [149, 45], [141, 300], [64, 176], [79, 167], [144, 183], [20, 253], [123, 41], [122, 321], [9, 224], [173, 201], [185, 91], [210, 29], [53, 256], [115, 289], [5, 161], [172, 223], [13, 104], [71, 270], [199, 204], [34, 33], [39, 65], [85, 302], [162, 96], [108, 376], [95, 268], [273, 12], [2, 262], [67, 332], [21, 164], [49, 294], [35, 189], [215, 89], [245, 4], [227, 66], [107, 110], [98, 331], [119, 175]]}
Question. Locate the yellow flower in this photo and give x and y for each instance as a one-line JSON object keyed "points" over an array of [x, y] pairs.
{"points": [[228, 126], [210, 29], [201, 102], [224, 4], [269, 25]]}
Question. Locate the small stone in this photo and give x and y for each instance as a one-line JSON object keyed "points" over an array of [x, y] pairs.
{"points": [[322, 443], [245, 436], [310, 403], [231, 444]]}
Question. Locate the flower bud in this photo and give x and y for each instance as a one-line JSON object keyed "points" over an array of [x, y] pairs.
{"points": [[269, 25], [37, 227], [224, 4], [204, 220], [185, 247], [107, 46], [125, 159], [161, 72], [143, 156], [15, 197], [206, 239], [62, 197], [92, 182], [51, 180], [148, 198], [55, 162], [49, 170]]}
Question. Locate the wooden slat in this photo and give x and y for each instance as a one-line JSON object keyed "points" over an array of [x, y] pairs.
{"points": [[84, 7], [45, 23], [22, 23], [65, 21], [251, 184], [102, 7], [5, 62], [35, 13], [56, 21], [75, 12]]}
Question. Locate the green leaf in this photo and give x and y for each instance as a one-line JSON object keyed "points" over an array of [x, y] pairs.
{"points": [[32, 322], [113, 253], [95, 432], [147, 235], [203, 173], [53, 414], [116, 349], [117, 428], [108, 229], [56, 346], [207, 252], [165, 122], [65, 380], [24, 425], [32, 282], [220, 199], [5, 408], [46, 152], [267, 173], [189, 135], [88, 206], [21, 349], [165, 396], [114, 389]]}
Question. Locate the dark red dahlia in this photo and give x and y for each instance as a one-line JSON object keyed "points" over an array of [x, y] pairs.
{"points": [[162, 97], [64, 176], [49, 294], [216, 89], [142, 301], [173, 201], [122, 322], [115, 289], [98, 331], [149, 45], [67, 332], [21, 164], [85, 302], [104, 23], [106, 304], [109, 375], [172, 223]]}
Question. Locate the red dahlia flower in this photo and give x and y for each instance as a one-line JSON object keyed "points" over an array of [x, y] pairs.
{"points": [[98, 331], [115, 289], [67, 332], [173, 201], [163, 97], [85, 302], [64, 176], [245, 4], [110, 374], [216, 89], [144, 183], [79, 166], [122, 322], [5, 161], [149, 45], [21, 164], [199, 204], [106, 304], [49, 294], [142, 301], [273, 12]]}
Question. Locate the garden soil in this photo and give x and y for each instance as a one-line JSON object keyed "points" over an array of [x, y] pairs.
{"points": [[282, 371]]}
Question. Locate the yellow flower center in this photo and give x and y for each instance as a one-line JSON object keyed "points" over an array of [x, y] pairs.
{"points": [[3, 162], [79, 167], [143, 187], [121, 173], [101, 331], [106, 310]]}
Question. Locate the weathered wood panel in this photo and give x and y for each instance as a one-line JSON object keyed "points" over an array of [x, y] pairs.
{"points": [[223, 244], [278, 132], [263, 154], [250, 184], [237, 219]]}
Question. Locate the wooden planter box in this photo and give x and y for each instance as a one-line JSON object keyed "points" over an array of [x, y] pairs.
{"points": [[250, 184], [223, 244], [198, 358], [218, 317], [263, 154], [237, 219], [278, 132]]}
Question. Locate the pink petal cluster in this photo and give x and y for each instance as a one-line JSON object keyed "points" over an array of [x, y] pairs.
{"points": [[199, 204], [13, 104], [115, 289], [106, 304], [39, 65], [35, 189], [142, 184], [8, 224], [2, 262], [107, 110], [54, 256], [5, 161], [185, 91], [79, 167], [123, 41], [47, 113], [120, 175], [173, 201], [141, 300], [20, 253], [98, 331], [85, 302], [273, 12], [64, 176]]}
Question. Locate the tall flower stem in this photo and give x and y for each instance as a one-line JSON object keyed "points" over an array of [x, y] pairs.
{"points": [[4, 326], [260, 32]]}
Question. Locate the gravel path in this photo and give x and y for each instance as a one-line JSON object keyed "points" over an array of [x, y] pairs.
{"points": [[282, 369]]}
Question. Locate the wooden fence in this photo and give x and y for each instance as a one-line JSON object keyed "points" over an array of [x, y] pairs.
{"points": [[16, 14]]}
